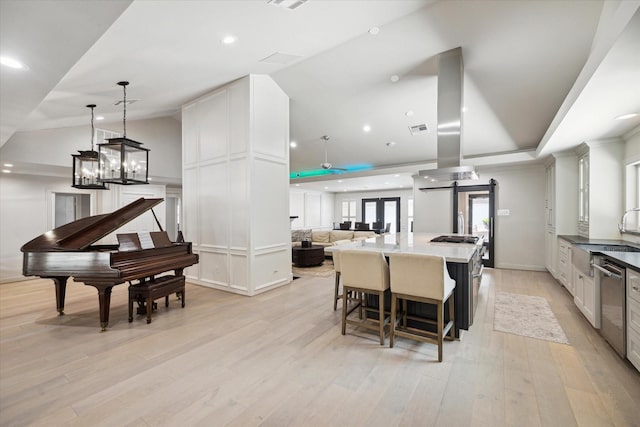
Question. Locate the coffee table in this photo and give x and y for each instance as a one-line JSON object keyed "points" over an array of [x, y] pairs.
{"points": [[306, 257]]}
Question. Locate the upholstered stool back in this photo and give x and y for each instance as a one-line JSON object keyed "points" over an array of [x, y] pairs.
{"points": [[364, 269], [420, 275]]}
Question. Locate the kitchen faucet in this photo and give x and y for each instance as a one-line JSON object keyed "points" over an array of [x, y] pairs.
{"points": [[623, 226]]}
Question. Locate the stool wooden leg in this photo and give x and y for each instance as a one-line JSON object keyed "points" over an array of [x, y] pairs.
{"points": [[335, 295], [440, 327], [381, 316], [393, 319], [149, 308], [182, 293], [452, 316], [344, 311], [166, 301]]}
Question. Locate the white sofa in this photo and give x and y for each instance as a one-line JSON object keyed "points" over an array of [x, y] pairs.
{"points": [[328, 237]]}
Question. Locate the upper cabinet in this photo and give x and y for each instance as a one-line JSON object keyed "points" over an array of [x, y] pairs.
{"points": [[600, 178]]}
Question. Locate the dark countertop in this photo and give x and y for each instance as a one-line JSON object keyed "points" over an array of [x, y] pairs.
{"points": [[579, 240], [628, 259]]}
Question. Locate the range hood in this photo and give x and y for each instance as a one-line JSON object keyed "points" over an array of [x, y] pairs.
{"points": [[449, 129]]}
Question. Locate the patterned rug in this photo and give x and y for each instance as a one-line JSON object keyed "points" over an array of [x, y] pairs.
{"points": [[323, 270], [527, 316]]}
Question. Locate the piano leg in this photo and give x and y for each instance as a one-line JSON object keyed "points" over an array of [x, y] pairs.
{"points": [[104, 298], [61, 290]]}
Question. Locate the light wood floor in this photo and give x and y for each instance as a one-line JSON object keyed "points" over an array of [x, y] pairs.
{"points": [[278, 359]]}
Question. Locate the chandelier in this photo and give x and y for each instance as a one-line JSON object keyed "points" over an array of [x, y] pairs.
{"points": [[86, 167], [123, 160]]}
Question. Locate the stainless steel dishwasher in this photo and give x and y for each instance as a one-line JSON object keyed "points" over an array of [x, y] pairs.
{"points": [[613, 305]]}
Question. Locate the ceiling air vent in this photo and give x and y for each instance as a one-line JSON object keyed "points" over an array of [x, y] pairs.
{"points": [[287, 4], [418, 129]]}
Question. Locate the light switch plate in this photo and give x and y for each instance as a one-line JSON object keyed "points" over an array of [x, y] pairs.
{"points": [[503, 212]]}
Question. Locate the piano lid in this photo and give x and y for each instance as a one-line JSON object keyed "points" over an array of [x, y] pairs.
{"points": [[78, 235]]}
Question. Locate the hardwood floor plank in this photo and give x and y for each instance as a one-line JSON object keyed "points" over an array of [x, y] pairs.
{"points": [[279, 359]]}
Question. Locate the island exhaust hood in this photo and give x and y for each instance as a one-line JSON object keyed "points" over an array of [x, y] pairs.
{"points": [[449, 129]]}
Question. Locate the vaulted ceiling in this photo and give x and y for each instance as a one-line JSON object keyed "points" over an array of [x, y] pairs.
{"points": [[540, 76]]}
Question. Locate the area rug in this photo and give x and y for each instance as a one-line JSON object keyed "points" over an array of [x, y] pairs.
{"points": [[323, 270], [528, 316]]}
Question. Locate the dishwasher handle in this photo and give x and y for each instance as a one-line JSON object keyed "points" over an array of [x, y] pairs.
{"points": [[607, 273]]}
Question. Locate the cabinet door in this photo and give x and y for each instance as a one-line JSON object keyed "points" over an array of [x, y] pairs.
{"points": [[578, 283], [590, 300]]}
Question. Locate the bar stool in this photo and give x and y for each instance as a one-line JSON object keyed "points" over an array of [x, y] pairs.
{"points": [[421, 278], [364, 272]]}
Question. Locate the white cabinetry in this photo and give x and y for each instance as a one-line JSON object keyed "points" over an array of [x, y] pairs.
{"points": [[633, 317], [600, 190], [564, 265], [586, 298], [561, 211]]}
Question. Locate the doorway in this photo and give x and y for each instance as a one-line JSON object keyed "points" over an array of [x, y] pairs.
{"points": [[385, 210], [69, 207], [474, 211]]}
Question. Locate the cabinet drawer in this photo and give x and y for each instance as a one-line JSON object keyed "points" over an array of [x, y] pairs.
{"points": [[633, 315], [633, 347], [563, 247]]}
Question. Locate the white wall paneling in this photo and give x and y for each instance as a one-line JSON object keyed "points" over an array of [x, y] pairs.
{"points": [[240, 193], [315, 209]]}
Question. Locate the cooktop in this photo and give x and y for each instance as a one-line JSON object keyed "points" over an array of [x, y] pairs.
{"points": [[456, 239]]}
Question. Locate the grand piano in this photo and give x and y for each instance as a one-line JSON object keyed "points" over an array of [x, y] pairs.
{"points": [[69, 251]]}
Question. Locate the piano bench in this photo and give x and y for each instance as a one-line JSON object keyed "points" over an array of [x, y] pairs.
{"points": [[151, 290]]}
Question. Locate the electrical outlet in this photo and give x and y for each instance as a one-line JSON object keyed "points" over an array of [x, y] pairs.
{"points": [[503, 212]]}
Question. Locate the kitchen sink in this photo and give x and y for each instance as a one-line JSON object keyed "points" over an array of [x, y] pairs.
{"points": [[582, 255]]}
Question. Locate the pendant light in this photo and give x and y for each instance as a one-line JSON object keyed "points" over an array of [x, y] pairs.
{"points": [[123, 160], [86, 167]]}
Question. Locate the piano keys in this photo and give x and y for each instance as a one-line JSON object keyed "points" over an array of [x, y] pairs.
{"points": [[68, 251]]}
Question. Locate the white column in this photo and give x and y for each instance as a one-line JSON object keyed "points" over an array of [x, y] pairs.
{"points": [[235, 144]]}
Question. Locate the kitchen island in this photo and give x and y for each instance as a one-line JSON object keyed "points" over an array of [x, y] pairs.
{"points": [[463, 263]]}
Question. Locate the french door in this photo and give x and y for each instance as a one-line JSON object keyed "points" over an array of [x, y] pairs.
{"points": [[474, 212], [384, 210]]}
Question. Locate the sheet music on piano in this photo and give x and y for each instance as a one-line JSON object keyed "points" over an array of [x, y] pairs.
{"points": [[146, 242]]}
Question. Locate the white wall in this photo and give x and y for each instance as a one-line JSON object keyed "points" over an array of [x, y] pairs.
{"points": [[26, 211], [404, 195], [519, 237], [314, 209], [236, 186], [631, 158], [53, 147]]}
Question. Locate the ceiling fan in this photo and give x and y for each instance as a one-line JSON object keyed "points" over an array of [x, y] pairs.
{"points": [[326, 165]]}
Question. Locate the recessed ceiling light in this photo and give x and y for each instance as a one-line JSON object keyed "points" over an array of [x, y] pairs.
{"points": [[344, 189], [387, 183], [6, 171], [374, 31], [8, 165], [229, 39], [390, 144], [340, 180], [397, 175], [297, 185], [150, 179], [627, 116], [366, 128], [293, 144], [11, 63], [100, 118], [326, 188], [394, 78], [408, 113], [464, 109]]}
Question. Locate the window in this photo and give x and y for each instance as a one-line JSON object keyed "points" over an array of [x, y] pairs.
{"points": [[583, 190], [349, 211], [410, 214]]}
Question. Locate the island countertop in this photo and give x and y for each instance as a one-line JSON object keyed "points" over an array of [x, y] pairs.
{"points": [[414, 243]]}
